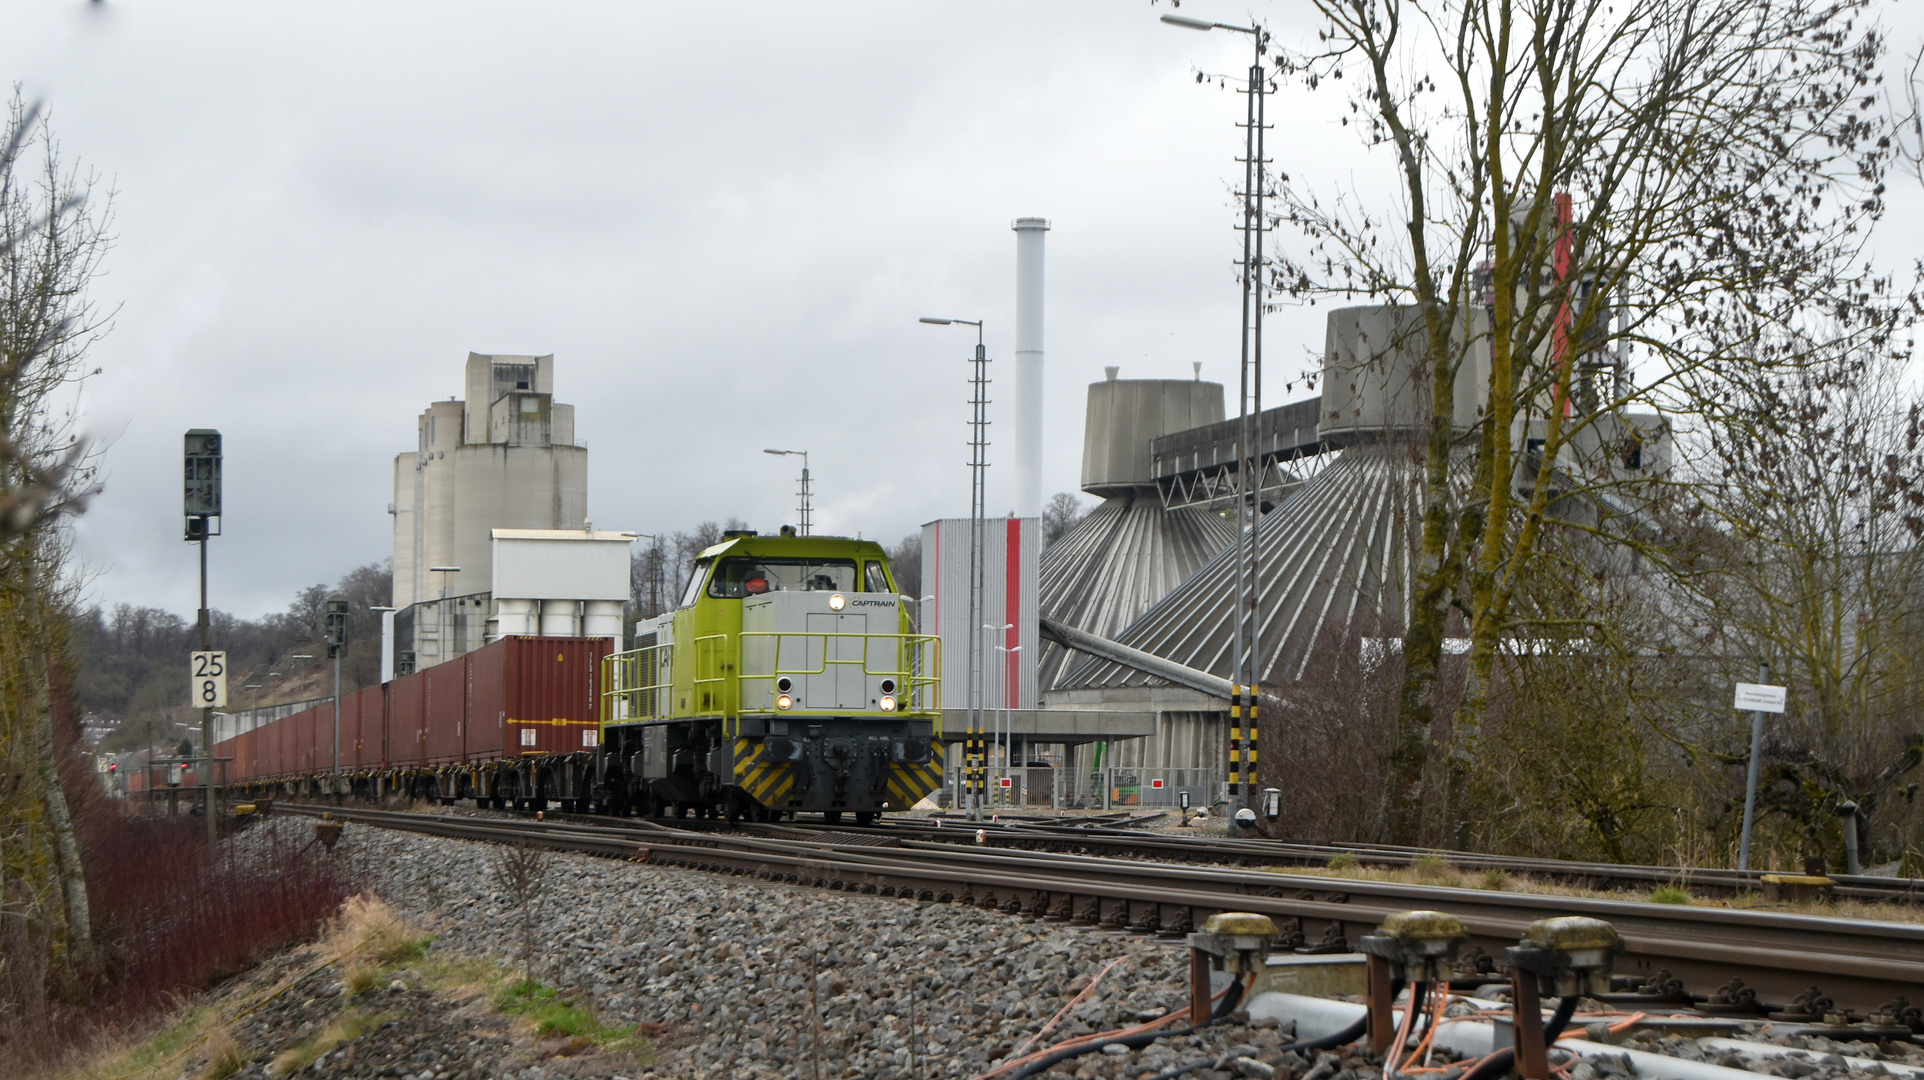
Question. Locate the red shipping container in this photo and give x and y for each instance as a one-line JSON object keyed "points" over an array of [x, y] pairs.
{"points": [[446, 711], [224, 749], [406, 712], [238, 769], [487, 701], [364, 705], [306, 761], [550, 691]]}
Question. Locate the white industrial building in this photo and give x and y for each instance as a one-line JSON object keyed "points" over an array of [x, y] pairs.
{"points": [[503, 458]]}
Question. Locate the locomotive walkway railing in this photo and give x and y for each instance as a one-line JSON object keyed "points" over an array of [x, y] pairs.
{"points": [[640, 684]]}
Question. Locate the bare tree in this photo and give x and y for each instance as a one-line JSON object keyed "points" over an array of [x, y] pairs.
{"points": [[523, 871], [1064, 512], [905, 562], [52, 239], [1572, 179], [1806, 516]]}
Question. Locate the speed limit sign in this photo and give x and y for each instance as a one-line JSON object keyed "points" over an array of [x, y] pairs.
{"points": [[210, 679]]}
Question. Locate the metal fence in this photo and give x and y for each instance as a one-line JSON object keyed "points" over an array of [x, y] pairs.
{"points": [[1107, 789]]}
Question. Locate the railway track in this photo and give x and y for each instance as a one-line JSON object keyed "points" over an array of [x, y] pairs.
{"points": [[1118, 840], [1687, 954]]}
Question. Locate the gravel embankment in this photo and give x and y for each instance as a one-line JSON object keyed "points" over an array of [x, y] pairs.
{"points": [[734, 977], [718, 969]]}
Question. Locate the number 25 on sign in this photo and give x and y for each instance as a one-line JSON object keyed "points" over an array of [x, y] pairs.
{"points": [[210, 679]]}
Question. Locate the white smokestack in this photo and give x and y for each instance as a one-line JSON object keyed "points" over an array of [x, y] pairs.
{"points": [[1028, 365]]}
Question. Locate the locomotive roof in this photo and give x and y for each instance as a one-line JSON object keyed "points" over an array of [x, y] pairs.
{"points": [[818, 547]]}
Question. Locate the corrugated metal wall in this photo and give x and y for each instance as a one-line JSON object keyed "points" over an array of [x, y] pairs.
{"points": [[1011, 567]]}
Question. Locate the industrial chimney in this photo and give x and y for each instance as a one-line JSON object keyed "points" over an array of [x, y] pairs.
{"points": [[1028, 365]]}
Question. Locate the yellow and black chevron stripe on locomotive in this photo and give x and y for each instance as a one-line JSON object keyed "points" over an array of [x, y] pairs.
{"points": [[767, 782], [910, 784]]}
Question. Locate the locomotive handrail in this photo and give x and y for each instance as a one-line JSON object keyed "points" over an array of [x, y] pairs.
{"points": [[638, 682], [911, 646], [712, 656], [630, 694]]}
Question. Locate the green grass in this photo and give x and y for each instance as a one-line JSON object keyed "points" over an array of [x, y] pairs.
{"points": [[556, 1015], [1669, 894], [1344, 860], [1494, 879]]}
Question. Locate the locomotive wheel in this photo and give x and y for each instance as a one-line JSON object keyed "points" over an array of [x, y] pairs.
{"points": [[734, 812], [831, 817], [866, 817], [681, 810]]}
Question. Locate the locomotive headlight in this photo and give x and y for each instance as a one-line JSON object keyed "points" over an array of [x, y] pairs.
{"points": [[888, 702], [784, 684], [837, 602], [784, 701]]}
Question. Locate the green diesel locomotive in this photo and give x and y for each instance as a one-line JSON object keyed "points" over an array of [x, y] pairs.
{"points": [[788, 680]]}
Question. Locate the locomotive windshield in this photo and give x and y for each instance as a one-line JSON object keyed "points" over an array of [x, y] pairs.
{"points": [[752, 576]]}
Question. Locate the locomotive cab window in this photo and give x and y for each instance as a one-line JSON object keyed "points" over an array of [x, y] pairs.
{"points": [[693, 592], [875, 578], [750, 576]]}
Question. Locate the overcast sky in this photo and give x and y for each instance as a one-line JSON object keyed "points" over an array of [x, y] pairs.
{"points": [[722, 220]]}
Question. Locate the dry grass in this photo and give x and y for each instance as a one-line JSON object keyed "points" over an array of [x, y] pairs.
{"points": [[224, 1056], [369, 931], [344, 1029]]}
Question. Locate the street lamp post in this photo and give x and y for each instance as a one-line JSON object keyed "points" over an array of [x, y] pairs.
{"points": [[978, 475], [1247, 676], [804, 509], [1008, 713]]}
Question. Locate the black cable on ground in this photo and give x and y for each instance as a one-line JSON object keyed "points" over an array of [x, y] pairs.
{"points": [[1503, 1060]]}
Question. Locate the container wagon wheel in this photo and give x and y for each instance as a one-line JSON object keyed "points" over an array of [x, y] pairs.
{"points": [[681, 810], [831, 817]]}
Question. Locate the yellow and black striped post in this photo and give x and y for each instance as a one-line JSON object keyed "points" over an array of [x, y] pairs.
{"points": [[975, 757], [1242, 739], [1235, 740], [1252, 775]]}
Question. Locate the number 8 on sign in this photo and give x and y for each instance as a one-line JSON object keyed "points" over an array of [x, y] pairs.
{"points": [[209, 673]]}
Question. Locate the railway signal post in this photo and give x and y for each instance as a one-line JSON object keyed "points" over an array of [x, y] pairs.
{"points": [[201, 505], [336, 641]]}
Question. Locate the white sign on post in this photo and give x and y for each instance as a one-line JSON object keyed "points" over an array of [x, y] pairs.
{"points": [[1757, 697], [209, 679]]}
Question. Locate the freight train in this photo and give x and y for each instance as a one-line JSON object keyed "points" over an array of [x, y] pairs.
{"points": [[788, 680]]}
